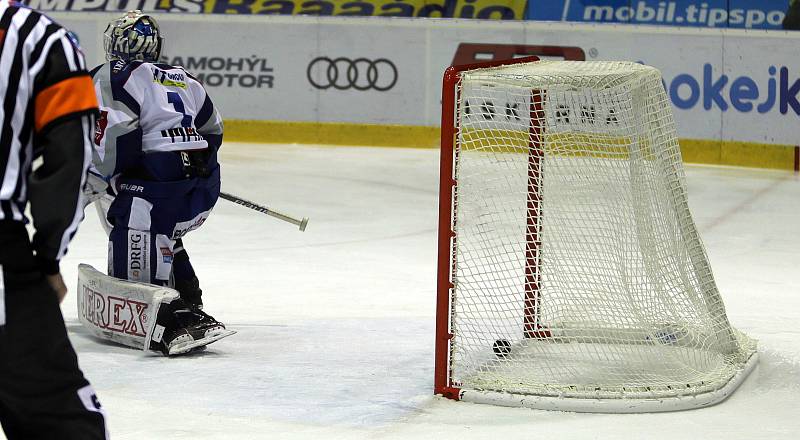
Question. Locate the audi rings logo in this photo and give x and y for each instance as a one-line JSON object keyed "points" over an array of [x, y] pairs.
{"points": [[359, 74]]}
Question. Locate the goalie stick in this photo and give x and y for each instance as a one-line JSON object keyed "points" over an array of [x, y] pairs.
{"points": [[254, 206]]}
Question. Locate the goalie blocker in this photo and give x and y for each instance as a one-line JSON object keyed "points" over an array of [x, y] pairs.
{"points": [[127, 313]]}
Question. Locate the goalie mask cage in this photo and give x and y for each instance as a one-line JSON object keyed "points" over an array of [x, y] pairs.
{"points": [[571, 275]]}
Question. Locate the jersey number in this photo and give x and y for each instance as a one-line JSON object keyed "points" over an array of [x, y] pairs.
{"points": [[176, 101]]}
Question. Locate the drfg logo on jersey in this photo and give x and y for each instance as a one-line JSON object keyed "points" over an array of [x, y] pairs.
{"points": [[116, 314], [139, 256], [776, 89]]}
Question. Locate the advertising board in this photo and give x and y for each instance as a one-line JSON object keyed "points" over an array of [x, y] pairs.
{"points": [[478, 9], [724, 85], [745, 14]]}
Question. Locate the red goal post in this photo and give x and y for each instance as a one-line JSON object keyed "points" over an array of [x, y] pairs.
{"points": [[446, 232]]}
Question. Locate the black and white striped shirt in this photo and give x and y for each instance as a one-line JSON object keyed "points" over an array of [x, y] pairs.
{"points": [[47, 109]]}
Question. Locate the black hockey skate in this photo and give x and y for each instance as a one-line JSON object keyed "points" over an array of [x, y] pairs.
{"points": [[203, 331], [186, 328]]}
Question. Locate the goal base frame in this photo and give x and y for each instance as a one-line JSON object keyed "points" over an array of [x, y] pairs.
{"points": [[621, 405]]}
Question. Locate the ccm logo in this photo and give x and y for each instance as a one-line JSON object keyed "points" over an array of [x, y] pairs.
{"points": [[120, 315], [131, 188], [471, 53]]}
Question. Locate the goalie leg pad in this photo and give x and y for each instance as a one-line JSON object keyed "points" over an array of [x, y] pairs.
{"points": [[121, 311]]}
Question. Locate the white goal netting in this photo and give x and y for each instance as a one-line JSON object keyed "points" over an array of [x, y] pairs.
{"points": [[577, 267]]}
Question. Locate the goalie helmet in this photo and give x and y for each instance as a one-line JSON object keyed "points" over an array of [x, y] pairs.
{"points": [[134, 36]]}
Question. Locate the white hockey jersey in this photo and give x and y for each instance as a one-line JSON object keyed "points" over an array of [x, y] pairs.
{"points": [[147, 109]]}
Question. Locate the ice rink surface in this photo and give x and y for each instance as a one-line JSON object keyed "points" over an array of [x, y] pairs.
{"points": [[336, 324]]}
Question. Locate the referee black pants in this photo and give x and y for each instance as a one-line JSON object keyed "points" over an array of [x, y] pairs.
{"points": [[43, 394]]}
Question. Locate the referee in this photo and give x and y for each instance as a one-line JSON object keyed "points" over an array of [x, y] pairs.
{"points": [[47, 111]]}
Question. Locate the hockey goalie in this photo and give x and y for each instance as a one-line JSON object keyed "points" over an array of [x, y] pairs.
{"points": [[154, 178]]}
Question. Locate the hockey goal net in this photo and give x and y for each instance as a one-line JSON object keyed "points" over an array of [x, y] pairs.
{"points": [[571, 275]]}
